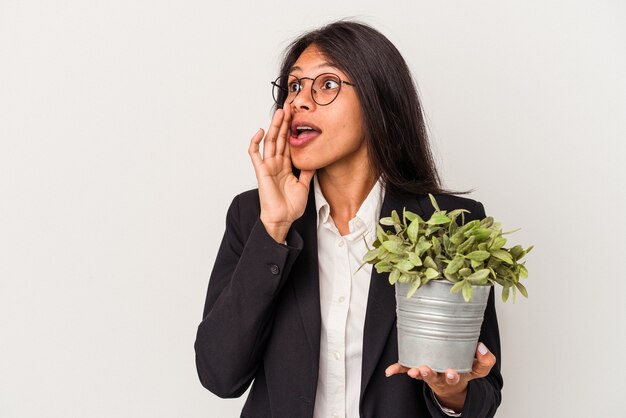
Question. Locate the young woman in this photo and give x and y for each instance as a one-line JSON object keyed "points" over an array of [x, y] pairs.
{"points": [[286, 309]]}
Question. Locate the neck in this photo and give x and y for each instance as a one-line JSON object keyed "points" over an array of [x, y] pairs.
{"points": [[345, 191]]}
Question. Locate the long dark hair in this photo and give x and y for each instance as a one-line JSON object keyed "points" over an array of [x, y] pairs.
{"points": [[397, 140]]}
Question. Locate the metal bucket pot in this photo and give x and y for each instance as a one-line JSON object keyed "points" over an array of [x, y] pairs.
{"points": [[437, 328]]}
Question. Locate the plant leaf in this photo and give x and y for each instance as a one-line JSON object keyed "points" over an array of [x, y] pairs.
{"points": [[429, 262], [479, 276], [438, 218], [414, 286], [386, 221], [431, 273], [502, 255], [465, 272], [455, 264], [370, 255], [394, 276], [433, 202], [383, 267], [412, 230], [395, 217], [415, 259], [467, 292], [478, 255], [393, 247], [380, 234], [521, 289], [457, 287], [404, 266]]}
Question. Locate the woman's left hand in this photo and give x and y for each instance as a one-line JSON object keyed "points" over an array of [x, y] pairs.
{"points": [[450, 387]]}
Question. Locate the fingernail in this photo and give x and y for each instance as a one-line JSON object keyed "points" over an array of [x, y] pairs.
{"points": [[424, 373], [450, 376], [387, 374], [482, 349]]}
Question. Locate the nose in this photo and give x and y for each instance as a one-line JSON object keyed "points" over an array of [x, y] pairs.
{"points": [[304, 98]]}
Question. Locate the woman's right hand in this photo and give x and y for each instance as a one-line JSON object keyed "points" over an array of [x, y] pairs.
{"points": [[283, 196]]}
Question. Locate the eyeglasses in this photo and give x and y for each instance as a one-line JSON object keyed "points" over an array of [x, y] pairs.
{"points": [[324, 90]]}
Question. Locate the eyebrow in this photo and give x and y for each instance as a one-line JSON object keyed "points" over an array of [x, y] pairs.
{"points": [[324, 64]]}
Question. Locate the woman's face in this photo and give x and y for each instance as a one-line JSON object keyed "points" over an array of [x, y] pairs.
{"points": [[337, 140]]}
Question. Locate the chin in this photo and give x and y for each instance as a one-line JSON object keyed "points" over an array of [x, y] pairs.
{"points": [[304, 165]]}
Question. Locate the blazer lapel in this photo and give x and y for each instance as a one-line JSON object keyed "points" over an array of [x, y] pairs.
{"points": [[381, 304]]}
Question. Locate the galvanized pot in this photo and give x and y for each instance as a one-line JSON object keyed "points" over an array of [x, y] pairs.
{"points": [[437, 328]]}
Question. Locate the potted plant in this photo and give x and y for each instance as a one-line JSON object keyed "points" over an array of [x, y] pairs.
{"points": [[443, 272]]}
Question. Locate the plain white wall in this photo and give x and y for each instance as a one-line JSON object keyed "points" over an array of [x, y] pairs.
{"points": [[124, 127]]}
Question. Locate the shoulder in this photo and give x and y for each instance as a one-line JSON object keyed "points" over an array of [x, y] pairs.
{"points": [[248, 201], [244, 211]]}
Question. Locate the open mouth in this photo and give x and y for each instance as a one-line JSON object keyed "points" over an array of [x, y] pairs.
{"points": [[303, 133]]}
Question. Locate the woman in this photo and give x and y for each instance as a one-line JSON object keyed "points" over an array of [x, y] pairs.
{"points": [[286, 308]]}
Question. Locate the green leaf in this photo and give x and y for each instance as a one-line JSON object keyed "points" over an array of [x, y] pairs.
{"points": [[383, 267], [522, 271], [436, 245], [521, 289], [404, 266], [453, 277], [393, 247], [412, 230], [498, 243], [415, 259], [467, 245], [465, 272], [478, 255], [422, 246], [395, 217], [456, 212], [486, 222], [438, 218], [414, 286], [429, 262], [457, 287], [386, 221], [411, 216], [502, 255], [481, 234], [406, 278], [505, 291], [433, 202], [457, 238], [455, 264], [516, 251], [478, 276], [467, 292], [370, 255], [431, 273], [476, 265], [394, 276], [380, 234]]}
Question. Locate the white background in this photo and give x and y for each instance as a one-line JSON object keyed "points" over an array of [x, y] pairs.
{"points": [[124, 127]]}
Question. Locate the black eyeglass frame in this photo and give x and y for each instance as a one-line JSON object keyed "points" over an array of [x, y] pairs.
{"points": [[286, 91]]}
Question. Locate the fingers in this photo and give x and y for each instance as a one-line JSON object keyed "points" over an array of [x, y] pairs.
{"points": [[253, 149], [285, 131], [305, 178], [485, 360], [396, 368], [269, 144]]}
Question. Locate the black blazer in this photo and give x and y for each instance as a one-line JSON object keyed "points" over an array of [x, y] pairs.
{"points": [[261, 323]]}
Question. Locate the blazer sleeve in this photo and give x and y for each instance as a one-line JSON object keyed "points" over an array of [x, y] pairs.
{"points": [[484, 394], [249, 271]]}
